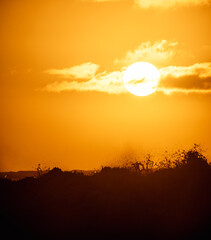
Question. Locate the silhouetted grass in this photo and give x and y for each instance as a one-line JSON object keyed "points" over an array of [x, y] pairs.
{"points": [[140, 200]]}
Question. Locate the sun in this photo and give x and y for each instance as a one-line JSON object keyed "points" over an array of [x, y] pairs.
{"points": [[141, 78]]}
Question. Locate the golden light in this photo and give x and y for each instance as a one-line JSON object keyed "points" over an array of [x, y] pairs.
{"points": [[141, 78]]}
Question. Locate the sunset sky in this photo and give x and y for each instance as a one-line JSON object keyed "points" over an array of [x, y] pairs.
{"points": [[63, 100]]}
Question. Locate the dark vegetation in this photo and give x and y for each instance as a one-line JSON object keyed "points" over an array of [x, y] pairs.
{"points": [[141, 200]]}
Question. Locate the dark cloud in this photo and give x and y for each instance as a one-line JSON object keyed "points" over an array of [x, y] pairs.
{"points": [[186, 82]]}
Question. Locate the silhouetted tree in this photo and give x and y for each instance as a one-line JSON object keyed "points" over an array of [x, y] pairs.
{"points": [[194, 158], [149, 164], [144, 166], [39, 170]]}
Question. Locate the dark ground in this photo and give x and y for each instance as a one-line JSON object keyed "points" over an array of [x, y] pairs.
{"points": [[116, 203]]}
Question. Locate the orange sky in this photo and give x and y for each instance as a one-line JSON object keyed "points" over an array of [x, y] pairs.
{"points": [[62, 99]]}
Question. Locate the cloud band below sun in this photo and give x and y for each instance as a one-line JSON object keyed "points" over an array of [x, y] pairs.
{"points": [[195, 78], [111, 83]]}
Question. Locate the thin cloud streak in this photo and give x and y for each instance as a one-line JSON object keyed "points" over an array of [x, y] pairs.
{"points": [[145, 4], [165, 4], [82, 71], [169, 91], [111, 83], [202, 70]]}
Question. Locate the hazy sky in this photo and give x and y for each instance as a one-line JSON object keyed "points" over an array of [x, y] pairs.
{"points": [[63, 101]]}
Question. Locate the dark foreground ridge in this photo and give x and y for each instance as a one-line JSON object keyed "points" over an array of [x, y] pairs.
{"points": [[173, 202]]}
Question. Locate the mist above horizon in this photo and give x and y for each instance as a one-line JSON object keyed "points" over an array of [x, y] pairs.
{"points": [[62, 93]]}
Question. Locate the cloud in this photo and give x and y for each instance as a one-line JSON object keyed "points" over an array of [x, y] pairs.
{"points": [[188, 79], [101, 0], [83, 71], [203, 70], [168, 3], [194, 78], [158, 53], [169, 91], [111, 83], [165, 4]]}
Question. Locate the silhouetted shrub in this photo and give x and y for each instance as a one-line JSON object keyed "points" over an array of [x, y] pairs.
{"points": [[54, 172], [195, 159]]}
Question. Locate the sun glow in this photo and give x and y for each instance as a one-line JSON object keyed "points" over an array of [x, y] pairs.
{"points": [[141, 78]]}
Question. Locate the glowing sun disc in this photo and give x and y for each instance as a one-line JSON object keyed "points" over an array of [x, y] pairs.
{"points": [[141, 78]]}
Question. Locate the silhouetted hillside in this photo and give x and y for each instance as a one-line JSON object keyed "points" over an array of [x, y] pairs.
{"points": [[24, 174], [172, 202], [17, 175]]}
